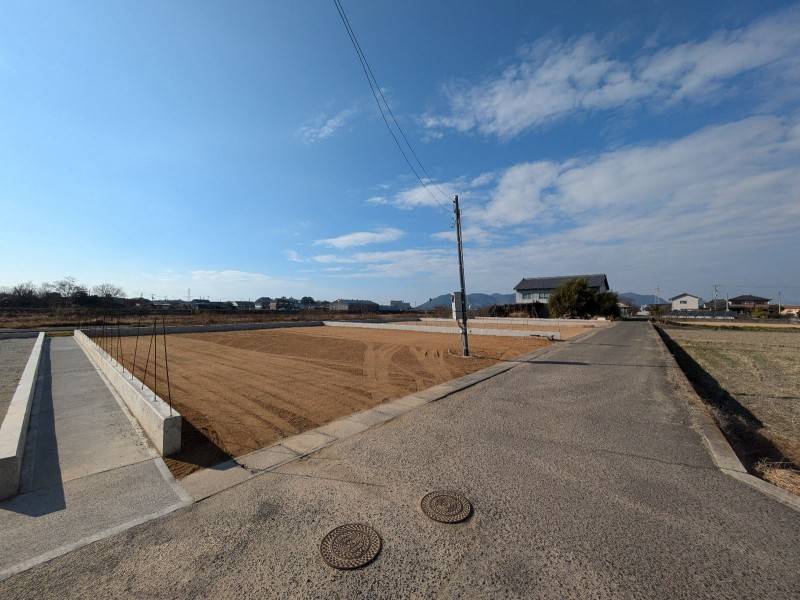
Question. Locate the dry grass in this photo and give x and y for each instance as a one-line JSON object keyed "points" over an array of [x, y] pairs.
{"points": [[751, 379]]}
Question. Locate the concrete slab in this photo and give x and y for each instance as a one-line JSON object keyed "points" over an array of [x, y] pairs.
{"points": [[268, 458], [87, 471], [412, 400], [343, 428], [307, 442], [370, 417], [213, 480], [393, 408]]}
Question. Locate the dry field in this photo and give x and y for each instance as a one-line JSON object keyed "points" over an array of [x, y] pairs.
{"points": [[752, 378], [240, 391], [14, 356]]}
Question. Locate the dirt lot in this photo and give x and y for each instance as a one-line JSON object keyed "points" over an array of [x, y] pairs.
{"points": [[14, 356], [240, 391], [752, 378]]}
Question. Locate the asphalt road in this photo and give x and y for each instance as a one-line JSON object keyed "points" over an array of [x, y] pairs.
{"points": [[587, 478]]}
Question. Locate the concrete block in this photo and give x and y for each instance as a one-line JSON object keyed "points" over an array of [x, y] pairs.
{"points": [[370, 417], [307, 442], [412, 400], [161, 424], [343, 428], [266, 458], [393, 408], [208, 482], [14, 428]]}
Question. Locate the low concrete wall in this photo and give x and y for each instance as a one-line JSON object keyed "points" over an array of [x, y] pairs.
{"points": [[145, 330], [161, 424], [550, 335], [535, 321], [14, 428]]}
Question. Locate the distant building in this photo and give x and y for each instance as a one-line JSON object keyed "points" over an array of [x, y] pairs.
{"points": [[627, 309], [399, 305], [747, 303], [284, 304], [243, 305], [538, 289], [359, 306], [685, 301]]}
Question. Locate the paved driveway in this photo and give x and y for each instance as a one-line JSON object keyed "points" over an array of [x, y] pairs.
{"points": [[587, 479]]}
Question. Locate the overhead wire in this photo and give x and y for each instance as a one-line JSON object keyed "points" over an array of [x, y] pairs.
{"points": [[373, 84]]}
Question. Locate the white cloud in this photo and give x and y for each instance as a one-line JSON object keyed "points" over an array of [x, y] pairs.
{"points": [[293, 255], [554, 79], [324, 127], [720, 200], [362, 238]]}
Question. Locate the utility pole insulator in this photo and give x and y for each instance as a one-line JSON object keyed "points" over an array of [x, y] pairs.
{"points": [[463, 324]]}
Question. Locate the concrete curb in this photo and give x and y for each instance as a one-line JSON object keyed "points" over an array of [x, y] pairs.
{"points": [[14, 428], [722, 453], [550, 335], [161, 424], [213, 480]]}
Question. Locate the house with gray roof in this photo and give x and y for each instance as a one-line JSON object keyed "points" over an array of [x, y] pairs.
{"points": [[538, 289]]}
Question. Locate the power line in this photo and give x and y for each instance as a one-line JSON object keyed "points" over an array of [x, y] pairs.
{"points": [[373, 84]]}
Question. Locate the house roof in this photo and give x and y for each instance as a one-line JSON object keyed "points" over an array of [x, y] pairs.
{"points": [[551, 283], [682, 295], [749, 298]]}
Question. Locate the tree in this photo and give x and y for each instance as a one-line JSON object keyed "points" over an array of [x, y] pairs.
{"points": [[607, 304], [67, 286], [306, 300], [108, 290], [574, 298]]}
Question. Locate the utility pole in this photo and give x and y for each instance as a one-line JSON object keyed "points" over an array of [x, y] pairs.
{"points": [[464, 335]]}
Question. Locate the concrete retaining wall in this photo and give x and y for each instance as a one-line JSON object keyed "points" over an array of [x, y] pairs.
{"points": [[551, 335], [535, 321], [14, 428], [145, 330], [161, 424]]}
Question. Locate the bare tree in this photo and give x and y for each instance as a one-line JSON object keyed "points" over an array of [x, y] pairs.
{"points": [[108, 290], [67, 286]]}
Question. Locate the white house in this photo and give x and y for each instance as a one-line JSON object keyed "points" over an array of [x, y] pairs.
{"points": [[685, 301]]}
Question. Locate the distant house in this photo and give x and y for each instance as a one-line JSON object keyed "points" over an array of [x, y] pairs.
{"points": [[747, 303], [359, 306], [685, 301], [538, 289], [399, 305], [284, 304], [627, 309], [243, 305]]}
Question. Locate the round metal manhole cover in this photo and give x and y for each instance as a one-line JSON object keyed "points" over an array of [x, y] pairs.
{"points": [[350, 546], [446, 506]]}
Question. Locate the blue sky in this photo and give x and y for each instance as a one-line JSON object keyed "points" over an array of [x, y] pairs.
{"points": [[235, 149]]}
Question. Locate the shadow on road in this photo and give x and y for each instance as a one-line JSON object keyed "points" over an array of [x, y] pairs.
{"points": [[41, 485]]}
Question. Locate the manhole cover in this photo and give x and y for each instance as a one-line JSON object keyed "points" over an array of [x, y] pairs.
{"points": [[446, 506], [350, 546]]}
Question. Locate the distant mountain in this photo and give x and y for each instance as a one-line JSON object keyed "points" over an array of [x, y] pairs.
{"points": [[642, 299], [473, 300]]}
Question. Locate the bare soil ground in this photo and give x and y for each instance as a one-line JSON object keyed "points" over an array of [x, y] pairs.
{"points": [[13, 358], [754, 325], [567, 331], [752, 379], [240, 391]]}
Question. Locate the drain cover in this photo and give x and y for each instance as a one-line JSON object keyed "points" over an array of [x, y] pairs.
{"points": [[350, 546], [446, 506]]}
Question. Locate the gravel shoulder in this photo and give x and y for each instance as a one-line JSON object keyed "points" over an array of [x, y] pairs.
{"points": [[14, 354]]}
